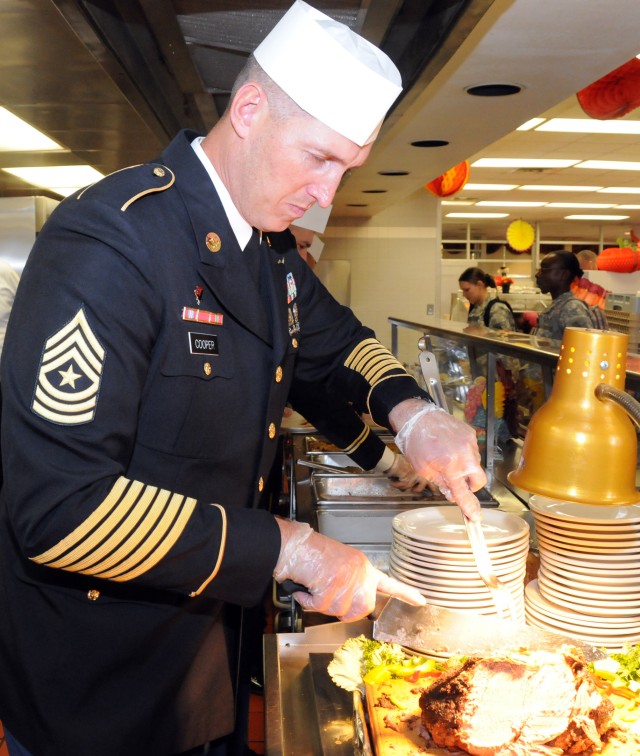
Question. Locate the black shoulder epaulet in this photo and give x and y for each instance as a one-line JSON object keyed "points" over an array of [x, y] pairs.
{"points": [[132, 183]]}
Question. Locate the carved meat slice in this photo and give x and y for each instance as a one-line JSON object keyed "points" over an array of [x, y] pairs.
{"points": [[534, 703]]}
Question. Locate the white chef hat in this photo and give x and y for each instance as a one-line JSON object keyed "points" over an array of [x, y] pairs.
{"points": [[334, 74], [315, 218], [315, 248]]}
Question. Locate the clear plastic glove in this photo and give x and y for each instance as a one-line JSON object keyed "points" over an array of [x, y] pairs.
{"points": [[401, 475], [340, 579], [442, 449]]}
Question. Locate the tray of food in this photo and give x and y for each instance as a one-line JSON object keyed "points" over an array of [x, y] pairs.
{"points": [[516, 703]]}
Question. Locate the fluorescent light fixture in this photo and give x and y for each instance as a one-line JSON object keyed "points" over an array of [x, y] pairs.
{"points": [[17, 135], [596, 217], [62, 176], [559, 188], [508, 203], [627, 207], [477, 215], [458, 203], [583, 205], [523, 163], [620, 190], [490, 187], [590, 126], [530, 124], [609, 165]]}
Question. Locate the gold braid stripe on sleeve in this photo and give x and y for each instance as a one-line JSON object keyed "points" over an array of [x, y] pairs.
{"points": [[373, 361], [357, 443], [131, 530]]}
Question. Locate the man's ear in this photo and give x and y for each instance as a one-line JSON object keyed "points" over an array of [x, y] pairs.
{"points": [[248, 105]]}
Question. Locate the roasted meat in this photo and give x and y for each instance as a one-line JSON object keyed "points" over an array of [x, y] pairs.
{"points": [[533, 703]]}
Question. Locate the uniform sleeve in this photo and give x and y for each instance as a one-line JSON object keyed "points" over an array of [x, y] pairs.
{"points": [[77, 354], [501, 318], [338, 420]]}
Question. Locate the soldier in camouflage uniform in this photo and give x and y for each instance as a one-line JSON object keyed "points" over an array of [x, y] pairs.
{"points": [[554, 276], [475, 285]]}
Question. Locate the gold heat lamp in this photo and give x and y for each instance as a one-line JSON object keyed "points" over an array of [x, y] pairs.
{"points": [[581, 444]]}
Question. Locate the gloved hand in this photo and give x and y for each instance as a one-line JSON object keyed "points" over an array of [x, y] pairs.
{"points": [[340, 579], [442, 449], [401, 475]]}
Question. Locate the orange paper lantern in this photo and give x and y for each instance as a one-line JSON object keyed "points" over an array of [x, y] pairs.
{"points": [[615, 94], [450, 182]]}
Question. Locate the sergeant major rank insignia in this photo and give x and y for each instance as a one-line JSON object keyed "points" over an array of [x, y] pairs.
{"points": [[69, 374]]}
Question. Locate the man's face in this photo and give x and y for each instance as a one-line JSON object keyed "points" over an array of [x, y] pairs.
{"points": [[290, 165], [551, 274]]}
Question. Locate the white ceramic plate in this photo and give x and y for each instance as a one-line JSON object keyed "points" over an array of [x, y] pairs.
{"points": [[577, 562], [574, 588], [588, 537], [590, 606], [612, 643], [533, 597], [444, 525], [458, 584], [622, 528], [502, 551], [580, 555], [585, 513], [591, 582], [452, 570], [603, 546]]}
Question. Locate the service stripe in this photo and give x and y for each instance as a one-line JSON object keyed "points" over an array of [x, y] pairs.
{"points": [[357, 443], [373, 361]]}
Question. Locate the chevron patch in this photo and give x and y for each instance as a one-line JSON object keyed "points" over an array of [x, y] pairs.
{"points": [[69, 374]]}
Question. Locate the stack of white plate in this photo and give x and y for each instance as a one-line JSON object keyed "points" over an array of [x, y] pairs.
{"points": [[431, 551], [588, 583]]}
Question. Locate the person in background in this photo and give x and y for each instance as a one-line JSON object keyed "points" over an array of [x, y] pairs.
{"points": [[554, 276], [587, 259], [9, 281], [476, 286], [330, 412], [148, 358]]}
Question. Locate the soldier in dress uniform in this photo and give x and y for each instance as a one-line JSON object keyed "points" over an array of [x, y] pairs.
{"points": [[148, 359]]}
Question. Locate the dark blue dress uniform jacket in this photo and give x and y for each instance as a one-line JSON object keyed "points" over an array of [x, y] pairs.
{"points": [[144, 374]]}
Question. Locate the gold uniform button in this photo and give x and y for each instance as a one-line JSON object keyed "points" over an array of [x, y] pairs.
{"points": [[294, 343], [207, 368], [157, 171], [93, 594], [278, 374], [272, 430], [261, 484], [213, 242]]}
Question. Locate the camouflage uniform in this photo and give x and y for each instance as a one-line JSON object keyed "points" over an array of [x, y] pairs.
{"points": [[566, 310], [500, 318]]}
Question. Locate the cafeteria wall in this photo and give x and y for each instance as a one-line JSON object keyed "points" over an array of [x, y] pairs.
{"points": [[395, 266]]}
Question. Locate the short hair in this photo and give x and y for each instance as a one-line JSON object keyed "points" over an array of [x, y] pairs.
{"points": [[281, 106], [476, 276]]}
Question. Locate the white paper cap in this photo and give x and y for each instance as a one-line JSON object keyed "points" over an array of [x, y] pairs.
{"points": [[334, 74], [315, 249], [315, 218]]}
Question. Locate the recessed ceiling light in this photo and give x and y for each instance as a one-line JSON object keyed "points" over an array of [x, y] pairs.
{"points": [[477, 215], [530, 124], [493, 90], [490, 187], [596, 217], [458, 203], [620, 190], [374, 191], [558, 188], [584, 205], [590, 126], [523, 163], [609, 165], [430, 143], [17, 135], [393, 173], [63, 176], [508, 203]]}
